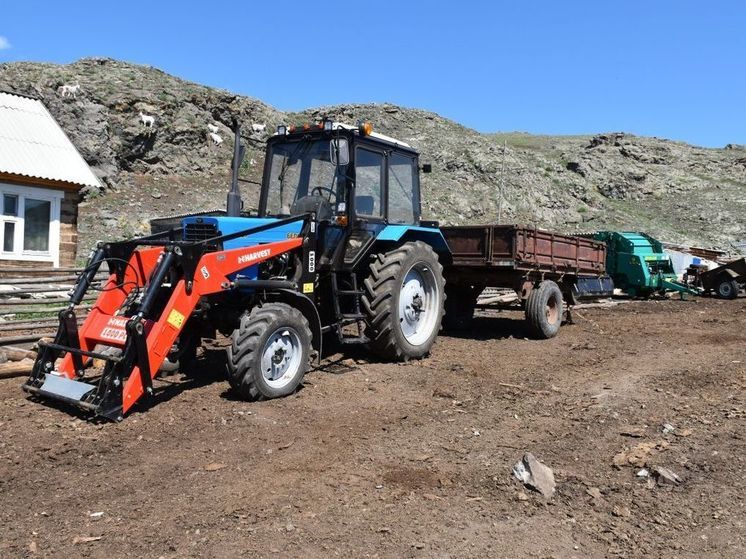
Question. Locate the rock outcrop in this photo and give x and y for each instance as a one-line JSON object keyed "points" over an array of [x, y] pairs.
{"points": [[675, 191]]}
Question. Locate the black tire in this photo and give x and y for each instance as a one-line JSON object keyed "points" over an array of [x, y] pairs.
{"points": [[182, 360], [383, 292], [544, 310], [728, 288], [250, 340], [461, 300]]}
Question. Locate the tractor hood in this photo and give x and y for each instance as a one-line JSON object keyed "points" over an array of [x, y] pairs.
{"points": [[201, 228]]}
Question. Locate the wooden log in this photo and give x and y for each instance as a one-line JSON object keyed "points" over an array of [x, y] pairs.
{"points": [[11, 270], [40, 309], [48, 279], [33, 290], [17, 353], [45, 301], [23, 325], [10, 340], [16, 368]]}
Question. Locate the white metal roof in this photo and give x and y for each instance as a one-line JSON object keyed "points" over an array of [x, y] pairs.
{"points": [[32, 144]]}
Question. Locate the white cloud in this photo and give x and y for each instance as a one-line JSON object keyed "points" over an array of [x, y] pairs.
{"points": [[4, 43]]}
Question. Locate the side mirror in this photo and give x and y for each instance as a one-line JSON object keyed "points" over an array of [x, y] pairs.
{"points": [[427, 168], [339, 151]]}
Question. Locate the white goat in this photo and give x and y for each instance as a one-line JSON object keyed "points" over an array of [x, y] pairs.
{"points": [[69, 90], [147, 120], [258, 127], [213, 128], [216, 139]]}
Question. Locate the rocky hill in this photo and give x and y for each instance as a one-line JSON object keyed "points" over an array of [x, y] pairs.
{"points": [[677, 192]]}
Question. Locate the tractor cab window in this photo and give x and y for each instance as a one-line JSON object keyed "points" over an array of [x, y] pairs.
{"points": [[368, 182], [403, 188], [299, 169]]}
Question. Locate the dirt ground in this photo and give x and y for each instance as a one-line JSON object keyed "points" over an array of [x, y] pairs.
{"points": [[411, 460]]}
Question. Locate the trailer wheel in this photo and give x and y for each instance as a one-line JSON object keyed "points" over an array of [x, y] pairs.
{"points": [[403, 300], [544, 309], [269, 352], [728, 288]]}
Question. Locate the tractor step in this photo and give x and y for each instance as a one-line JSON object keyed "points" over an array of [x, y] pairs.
{"points": [[355, 292], [351, 316]]}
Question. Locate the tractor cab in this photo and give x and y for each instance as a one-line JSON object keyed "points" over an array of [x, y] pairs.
{"points": [[356, 182]]}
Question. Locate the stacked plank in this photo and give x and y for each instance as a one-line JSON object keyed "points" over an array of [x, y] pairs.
{"points": [[31, 298]]}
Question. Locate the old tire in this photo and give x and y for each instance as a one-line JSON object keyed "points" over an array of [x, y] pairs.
{"points": [[403, 301], [460, 303], [728, 288], [544, 309], [269, 352]]}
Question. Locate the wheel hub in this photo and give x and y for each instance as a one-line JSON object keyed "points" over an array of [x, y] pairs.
{"points": [[417, 305], [281, 357]]}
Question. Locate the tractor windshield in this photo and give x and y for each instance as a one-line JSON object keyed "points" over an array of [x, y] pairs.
{"points": [[301, 168]]}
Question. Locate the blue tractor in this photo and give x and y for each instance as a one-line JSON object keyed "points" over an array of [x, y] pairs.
{"points": [[373, 273]]}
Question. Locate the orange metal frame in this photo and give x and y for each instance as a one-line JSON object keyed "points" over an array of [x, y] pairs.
{"points": [[104, 326]]}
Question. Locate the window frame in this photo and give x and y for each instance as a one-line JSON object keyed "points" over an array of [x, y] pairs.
{"points": [[415, 185], [373, 148], [54, 197]]}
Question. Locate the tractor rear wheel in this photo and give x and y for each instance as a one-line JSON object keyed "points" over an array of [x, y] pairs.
{"points": [[728, 288], [269, 352], [544, 309], [403, 301]]}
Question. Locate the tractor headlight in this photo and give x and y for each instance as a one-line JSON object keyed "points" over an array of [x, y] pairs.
{"points": [[328, 125], [282, 130]]}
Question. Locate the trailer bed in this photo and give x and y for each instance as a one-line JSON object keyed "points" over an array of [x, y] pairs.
{"points": [[550, 269], [523, 249]]}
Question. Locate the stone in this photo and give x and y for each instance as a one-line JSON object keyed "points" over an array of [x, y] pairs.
{"points": [[664, 476], [535, 475], [621, 512]]}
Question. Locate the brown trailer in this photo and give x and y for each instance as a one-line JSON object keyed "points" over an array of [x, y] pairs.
{"points": [[547, 270]]}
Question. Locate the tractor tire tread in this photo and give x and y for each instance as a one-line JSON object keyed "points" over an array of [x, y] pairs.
{"points": [[245, 344], [378, 298]]}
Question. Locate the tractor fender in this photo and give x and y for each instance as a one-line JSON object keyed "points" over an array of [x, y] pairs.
{"points": [[399, 234], [307, 307]]}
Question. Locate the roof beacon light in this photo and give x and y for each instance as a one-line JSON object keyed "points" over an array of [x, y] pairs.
{"points": [[366, 128], [282, 130]]}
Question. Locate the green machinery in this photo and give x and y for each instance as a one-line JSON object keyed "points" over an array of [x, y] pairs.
{"points": [[637, 264]]}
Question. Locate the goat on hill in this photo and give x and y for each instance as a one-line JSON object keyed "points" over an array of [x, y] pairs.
{"points": [[69, 90], [147, 120], [213, 128], [216, 139]]}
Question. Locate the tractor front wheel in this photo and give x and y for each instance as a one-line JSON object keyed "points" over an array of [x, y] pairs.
{"points": [[269, 352], [403, 300]]}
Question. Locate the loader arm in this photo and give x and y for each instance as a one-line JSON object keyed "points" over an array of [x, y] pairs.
{"points": [[143, 336], [214, 269]]}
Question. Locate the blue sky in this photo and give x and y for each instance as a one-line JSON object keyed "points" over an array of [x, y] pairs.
{"points": [[667, 68]]}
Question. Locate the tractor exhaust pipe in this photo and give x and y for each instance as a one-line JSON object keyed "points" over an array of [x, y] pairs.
{"points": [[233, 205]]}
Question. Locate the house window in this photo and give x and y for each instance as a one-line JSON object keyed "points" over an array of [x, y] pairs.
{"points": [[36, 217], [30, 223]]}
